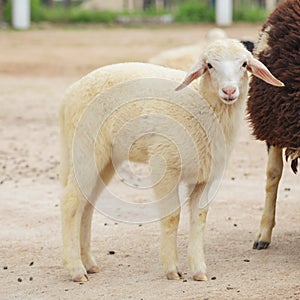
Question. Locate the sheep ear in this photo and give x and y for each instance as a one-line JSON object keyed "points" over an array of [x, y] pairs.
{"points": [[194, 72], [259, 70]]}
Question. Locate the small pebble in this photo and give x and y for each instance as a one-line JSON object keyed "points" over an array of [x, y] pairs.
{"points": [[30, 278], [19, 279], [140, 225]]}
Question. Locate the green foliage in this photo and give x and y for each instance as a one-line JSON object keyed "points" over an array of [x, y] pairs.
{"points": [[199, 11], [7, 11], [36, 9], [40, 13], [55, 15], [78, 15], [149, 12], [250, 14], [187, 11], [194, 11]]}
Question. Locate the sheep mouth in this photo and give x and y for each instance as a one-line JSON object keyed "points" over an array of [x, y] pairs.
{"points": [[229, 100]]}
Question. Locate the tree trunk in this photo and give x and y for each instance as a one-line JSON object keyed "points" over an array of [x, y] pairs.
{"points": [[67, 3], [262, 3], [1, 11], [167, 4], [148, 4], [270, 4], [48, 3]]}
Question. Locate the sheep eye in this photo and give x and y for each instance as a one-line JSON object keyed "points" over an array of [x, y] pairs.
{"points": [[244, 64], [209, 66]]}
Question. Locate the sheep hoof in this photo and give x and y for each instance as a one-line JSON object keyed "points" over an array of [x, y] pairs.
{"points": [[93, 269], [259, 245], [174, 275], [199, 276], [80, 278]]}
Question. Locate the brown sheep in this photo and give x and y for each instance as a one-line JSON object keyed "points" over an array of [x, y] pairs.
{"points": [[274, 113]]}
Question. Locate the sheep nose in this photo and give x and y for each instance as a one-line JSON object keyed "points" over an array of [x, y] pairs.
{"points": [[229, 90]]}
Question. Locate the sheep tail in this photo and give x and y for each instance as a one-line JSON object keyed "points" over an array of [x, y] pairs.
{"points": [[64, 166], [294, 155]]}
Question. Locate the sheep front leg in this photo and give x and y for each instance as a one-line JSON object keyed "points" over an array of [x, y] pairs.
{"points": [[166, 192], [72, 208], [274, 172], [169, 257], [196, 244]]}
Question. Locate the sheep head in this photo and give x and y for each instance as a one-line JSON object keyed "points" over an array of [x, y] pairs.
{"points": [[225, 64]]}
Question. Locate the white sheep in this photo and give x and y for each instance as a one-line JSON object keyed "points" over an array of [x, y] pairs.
{"points": [[223, 85], [183, 57]]}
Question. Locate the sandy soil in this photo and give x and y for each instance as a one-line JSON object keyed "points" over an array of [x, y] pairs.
{"points": [[36, 67]]}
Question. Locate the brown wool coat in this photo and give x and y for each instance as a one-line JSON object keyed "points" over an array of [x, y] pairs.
{"points": [[274, 112]]}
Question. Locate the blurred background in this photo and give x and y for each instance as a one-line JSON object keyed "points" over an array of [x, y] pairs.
{"points": [[136, 11]]}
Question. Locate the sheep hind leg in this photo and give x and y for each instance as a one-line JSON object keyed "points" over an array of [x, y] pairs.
{"points": [[196, 258], [72, 207], [88, 260], [86, 223], [274, 172]]}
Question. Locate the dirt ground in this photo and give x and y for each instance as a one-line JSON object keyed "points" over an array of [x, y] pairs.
{"points": [[36, 67]]}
